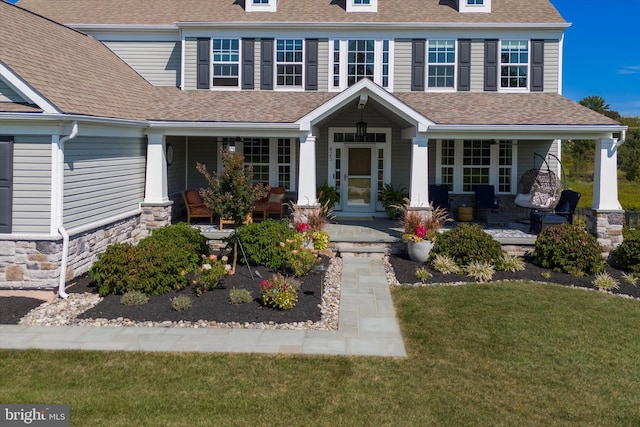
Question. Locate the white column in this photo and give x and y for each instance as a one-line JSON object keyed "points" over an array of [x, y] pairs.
{"points": [[605, 179], [307, 172], [156, 180], [419, 191]]}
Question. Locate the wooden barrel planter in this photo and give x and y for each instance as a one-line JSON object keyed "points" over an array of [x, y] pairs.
{"points": [[465, 213]]}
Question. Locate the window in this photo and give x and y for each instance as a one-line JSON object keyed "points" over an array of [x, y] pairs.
{"points": [[226, 62], [284, 163], [442, 60], [514, 64], [361, 60], [289, 63], [354, 60], [256, 154], [362, 5], [260, 1], [361, 2], [475, 2], [461, 164]]}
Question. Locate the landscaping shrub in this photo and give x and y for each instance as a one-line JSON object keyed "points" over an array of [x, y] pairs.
{"points": [[208, 275], [299, 260], [181, 234], [467, 243], [240, 296], [181, 303], [261, 242], [627, 255], [568, 248], [134, 298], [480, 271], [279, 292], [156, 266]]}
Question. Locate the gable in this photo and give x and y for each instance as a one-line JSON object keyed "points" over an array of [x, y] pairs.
{"points": [[9, 95]]}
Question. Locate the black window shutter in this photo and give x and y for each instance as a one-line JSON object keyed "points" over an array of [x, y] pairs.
{"points": [[311, 65], [464, 65], [203, 64], [6, 183], [537, 65], [266, 64], [248, 63], [418, 64], [491, 65]]}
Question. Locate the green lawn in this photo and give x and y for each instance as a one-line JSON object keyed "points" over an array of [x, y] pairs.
{"points": [[628, 193], [479, 355]]}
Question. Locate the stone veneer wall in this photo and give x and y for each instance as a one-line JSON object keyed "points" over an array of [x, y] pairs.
{"points": [[35, 264], [607, 227]]}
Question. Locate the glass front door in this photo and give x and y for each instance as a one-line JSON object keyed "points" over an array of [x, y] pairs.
{"points": [[358, 179]]}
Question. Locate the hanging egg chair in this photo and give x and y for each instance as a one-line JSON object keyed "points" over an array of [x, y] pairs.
{"points": [[539, 188]]}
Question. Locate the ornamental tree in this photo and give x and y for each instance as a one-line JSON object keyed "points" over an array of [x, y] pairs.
{"points": [[231, 194]]}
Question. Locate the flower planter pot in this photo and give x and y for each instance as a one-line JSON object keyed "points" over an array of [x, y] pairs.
{"points": [[419, 251]]}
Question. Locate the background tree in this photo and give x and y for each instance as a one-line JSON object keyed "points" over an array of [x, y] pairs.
{"points": [[629, 152], [599, 105]]}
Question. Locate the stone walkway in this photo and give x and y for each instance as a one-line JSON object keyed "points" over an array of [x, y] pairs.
{"points": [[367, 327]]}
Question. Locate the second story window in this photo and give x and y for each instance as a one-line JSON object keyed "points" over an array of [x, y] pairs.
{"points": [[260, 1], [361, 60], [474, 2], [361, 1], [226, 62], [442, 64], [289, 63], [514, 64]]}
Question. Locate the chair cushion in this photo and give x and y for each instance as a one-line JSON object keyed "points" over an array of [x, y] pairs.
{"points": [[193, 198], [276, 198]]}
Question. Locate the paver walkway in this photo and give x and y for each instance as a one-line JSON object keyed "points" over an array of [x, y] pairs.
{"points": [[367, 327]]}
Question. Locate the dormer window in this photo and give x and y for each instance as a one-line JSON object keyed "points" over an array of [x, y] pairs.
{"points": [[260, 5], [362, 5], [471, 6]]}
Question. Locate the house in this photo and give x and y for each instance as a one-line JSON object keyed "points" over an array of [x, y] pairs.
{"points": [[106, 105]]}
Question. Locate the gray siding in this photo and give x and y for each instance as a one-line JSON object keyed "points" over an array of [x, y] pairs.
{"points": [[201, 150], [323, 65], [104, 177], [400, 160], [551, 65], [158, 62], [477, 66], [32, 184], [526, 158], [190, 61], [8, 95], [402, 66], [176, 170]]}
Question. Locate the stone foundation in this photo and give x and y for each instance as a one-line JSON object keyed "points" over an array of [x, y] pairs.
{"points": [[36, 264], [607, 227], [154, 216]]}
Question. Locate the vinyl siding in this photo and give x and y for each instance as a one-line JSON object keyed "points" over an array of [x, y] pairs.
{"points": [[323, 65], [104, 177], [402, 66], [400, 160], [32, 184], [527, 160], [9, 95], [551, 65], [190, 62], [176, 170], [477, 65], [158, 62], [203, 150], [257, 61]]}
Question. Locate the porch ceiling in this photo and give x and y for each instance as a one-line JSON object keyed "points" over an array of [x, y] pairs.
{"points": [[373, 112]]}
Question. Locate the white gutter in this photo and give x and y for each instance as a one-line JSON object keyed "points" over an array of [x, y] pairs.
{"points": [[60, 218]]}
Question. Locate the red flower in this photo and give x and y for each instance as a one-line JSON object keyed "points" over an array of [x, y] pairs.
{"points": [[421, 231], [302, 227]]}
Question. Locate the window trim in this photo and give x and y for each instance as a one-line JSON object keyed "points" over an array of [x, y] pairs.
{"points": [[343, 64], [494, 173], [238, 86], [285, 88], [527, 88], [428, 64]]}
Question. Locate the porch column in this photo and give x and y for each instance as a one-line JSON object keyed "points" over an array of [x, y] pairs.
{"points": [[606, 219], [419, 191], [307, 172], [156, 207], [605, 179], [155, 190]]}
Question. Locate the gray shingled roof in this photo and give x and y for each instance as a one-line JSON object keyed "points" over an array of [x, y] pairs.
{"points": [[75, 72], [461, 108], [163, 12]]}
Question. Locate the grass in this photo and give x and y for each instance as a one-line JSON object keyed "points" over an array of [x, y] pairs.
{"points": [[479, 355], [628, 194]]}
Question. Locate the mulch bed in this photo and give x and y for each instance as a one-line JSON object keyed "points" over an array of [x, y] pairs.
{"points": [[213, 305], [405, 270]]}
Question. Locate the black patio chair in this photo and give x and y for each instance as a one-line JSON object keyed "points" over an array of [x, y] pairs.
{"points": [[439, 196], [485, 201], [563, 212]]}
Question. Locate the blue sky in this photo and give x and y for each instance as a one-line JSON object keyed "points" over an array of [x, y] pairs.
{"points": [[601, 51]]}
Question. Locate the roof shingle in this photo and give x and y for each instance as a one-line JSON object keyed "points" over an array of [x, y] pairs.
{"points": [[167, 12]]}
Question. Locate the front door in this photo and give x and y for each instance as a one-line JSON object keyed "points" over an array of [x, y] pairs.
{"points": [[358, 170]]}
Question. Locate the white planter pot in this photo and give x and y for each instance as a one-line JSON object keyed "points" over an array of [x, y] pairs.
{"points": [[419, 251]]}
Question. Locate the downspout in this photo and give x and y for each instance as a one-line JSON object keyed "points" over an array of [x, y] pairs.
{"points": [[65, 236]]}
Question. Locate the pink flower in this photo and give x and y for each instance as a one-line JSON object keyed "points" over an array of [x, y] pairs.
{"points": [[302, 227], [421, 231]]}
